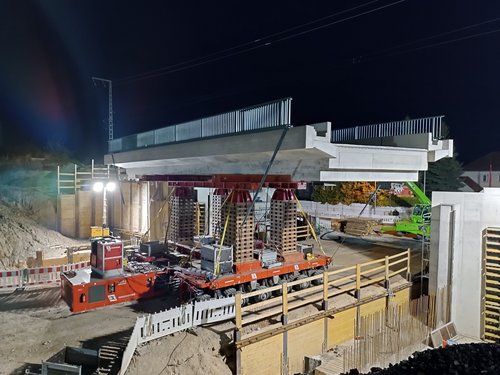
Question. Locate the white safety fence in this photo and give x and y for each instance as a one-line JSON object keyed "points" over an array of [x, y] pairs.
{"points": [[163, 323], [29, 277]]}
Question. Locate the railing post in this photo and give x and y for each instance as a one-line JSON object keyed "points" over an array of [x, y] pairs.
{"points": [[387, 281], [237, 331], [58, 180], [237, 310], [75, 177], [408, 270], [358, 281], [325, 290], [284, 321], [325, 308]]}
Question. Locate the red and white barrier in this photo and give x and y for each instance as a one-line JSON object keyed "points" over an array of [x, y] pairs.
{"points": [[10, 279], [37, 276]]}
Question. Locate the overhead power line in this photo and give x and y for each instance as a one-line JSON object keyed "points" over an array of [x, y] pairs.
{"points": [[427, 46], [383, 53], [256, 44]]}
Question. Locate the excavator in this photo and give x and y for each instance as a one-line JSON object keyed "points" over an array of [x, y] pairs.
{"points": [[420, 218]]}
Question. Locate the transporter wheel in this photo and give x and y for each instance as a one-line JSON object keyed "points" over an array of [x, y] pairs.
{"points": [[281, 281], [263, 296], [317, 281], [303, 285], [229, 292], [244, 301]]}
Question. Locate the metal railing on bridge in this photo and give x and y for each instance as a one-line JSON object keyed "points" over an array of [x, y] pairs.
{"points": [[388, 129], [263, 116]]}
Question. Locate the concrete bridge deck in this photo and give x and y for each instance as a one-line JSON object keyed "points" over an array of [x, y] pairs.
{"points": [[306, 154]]}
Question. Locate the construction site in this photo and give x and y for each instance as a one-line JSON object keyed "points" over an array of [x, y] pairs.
{"points": [[192, 254]]}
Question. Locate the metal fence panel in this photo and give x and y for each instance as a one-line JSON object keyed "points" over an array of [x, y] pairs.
{"points": [[115, 145], [267, 115], [213, 311], [389, 129], [146, 139], [219, 124], [165, 135], [188, 130]]}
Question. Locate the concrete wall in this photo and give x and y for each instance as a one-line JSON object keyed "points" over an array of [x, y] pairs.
{"points": [[456, 252], [77, 212], [130, 208]]}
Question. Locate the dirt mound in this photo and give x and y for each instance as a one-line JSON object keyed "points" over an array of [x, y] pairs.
{"points": [[28, 216], [185, 353]]}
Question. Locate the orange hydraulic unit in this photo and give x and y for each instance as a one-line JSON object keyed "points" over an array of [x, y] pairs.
{"points": [[107, 283], [82, 292]]}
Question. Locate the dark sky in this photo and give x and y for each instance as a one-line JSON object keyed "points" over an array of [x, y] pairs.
{"points": [[411, 58]]}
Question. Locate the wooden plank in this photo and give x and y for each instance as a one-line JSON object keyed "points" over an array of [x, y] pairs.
{"points": [[284, 294], [237, 305], [372, 262], [398, 272], [309, 290], [84, 205], [367, 272], [67, 213], [397, 262], [405, 254], [372, 281]]}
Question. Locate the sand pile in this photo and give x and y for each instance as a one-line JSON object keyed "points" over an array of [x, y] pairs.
{"points": [[28, 216]]}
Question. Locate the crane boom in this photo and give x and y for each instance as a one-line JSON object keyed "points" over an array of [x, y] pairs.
{"points": [[418, 193]]}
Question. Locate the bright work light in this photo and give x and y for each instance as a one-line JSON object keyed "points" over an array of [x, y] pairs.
{"points": [[98, 186], [110, 186]]}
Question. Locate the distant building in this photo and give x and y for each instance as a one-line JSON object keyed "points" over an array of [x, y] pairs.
{"points": [[482, 172]]}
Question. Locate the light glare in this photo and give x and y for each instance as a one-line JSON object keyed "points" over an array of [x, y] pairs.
{"points": [[110, 186], [98, 186]]}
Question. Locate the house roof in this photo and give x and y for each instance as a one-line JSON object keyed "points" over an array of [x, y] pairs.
{"points": [[471, 183], [484, 163]]}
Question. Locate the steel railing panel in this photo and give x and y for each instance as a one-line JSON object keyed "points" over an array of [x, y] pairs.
{"points": [[263, 116], [188, 130], [146, 139], [165, 135], [431, 125]]}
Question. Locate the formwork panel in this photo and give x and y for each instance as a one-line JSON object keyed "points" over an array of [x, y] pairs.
{"points": [[306, 340], [263, 357], [373, 307], [84, 209], [341, 327], [135, 207], [117, 205], [125, 221], [401, 297], [66, 210], [98, 209]]}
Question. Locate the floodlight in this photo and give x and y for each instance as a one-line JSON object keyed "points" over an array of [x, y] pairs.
{"points": [[98, 186], [110, 186]]}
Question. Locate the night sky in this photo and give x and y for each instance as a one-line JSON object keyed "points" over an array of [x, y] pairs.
{"points": [[411, 58]]}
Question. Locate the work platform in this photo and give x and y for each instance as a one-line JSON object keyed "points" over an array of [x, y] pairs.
{"points": [[243, 142]]}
